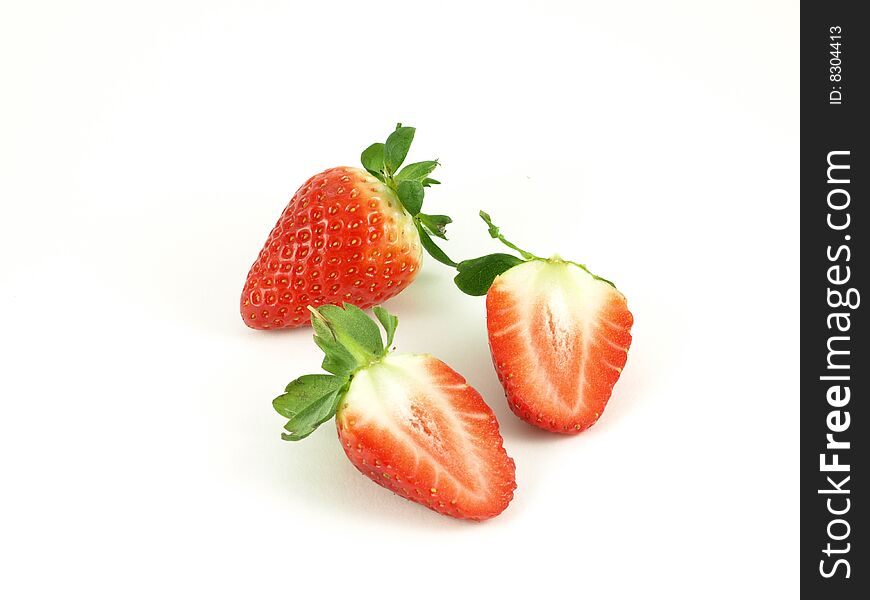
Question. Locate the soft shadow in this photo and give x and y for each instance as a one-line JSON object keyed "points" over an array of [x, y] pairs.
{"points": [[422, 296], [654, 358], [322, 475]]}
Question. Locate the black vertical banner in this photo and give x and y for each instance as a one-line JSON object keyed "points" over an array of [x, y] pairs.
{"points": [[835, 364]]}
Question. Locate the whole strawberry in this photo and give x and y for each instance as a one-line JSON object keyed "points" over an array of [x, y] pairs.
{"points": [[347, 235], [407, 421], [558, 334]]}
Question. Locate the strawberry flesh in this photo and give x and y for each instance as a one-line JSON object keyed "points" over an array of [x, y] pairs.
{"points": [[559, 339], [413, 425]]}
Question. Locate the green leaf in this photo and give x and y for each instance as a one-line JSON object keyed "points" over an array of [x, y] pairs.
{"points": [[417, 171], [435, 224], [309, 401], [389, 323], [430, 182], [396, 148], [430, 246], [301, 392], [337, 359], [411, 193], [353, 329], [477, 274], [312, 416], [372, 159]]}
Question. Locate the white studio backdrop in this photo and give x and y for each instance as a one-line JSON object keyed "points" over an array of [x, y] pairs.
{"points": [[146, 149]]}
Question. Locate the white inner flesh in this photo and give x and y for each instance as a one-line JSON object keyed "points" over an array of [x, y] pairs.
{"points": [[559, 297], [397, 395]]}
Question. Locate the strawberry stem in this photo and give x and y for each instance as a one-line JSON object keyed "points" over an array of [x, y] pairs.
{"points": [[495, 234], [476, 275]]}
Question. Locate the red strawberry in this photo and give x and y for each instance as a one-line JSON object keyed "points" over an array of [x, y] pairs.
{"points": [[407, 421], [347, 235], [559, 335]]}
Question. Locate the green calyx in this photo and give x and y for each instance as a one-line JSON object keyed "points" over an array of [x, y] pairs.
{"points": [[350, 340], [475, 276], [384, 161]]}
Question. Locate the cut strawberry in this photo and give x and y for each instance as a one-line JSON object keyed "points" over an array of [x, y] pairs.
{"points": [[409, 422], [559, 335], [413, 425]]}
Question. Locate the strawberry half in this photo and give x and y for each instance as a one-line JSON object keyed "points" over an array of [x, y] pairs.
{"points": [[347, 235], [558, 334], [407, 421]]}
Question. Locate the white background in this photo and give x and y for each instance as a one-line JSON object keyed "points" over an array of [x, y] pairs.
{"points": [[146, 150]]}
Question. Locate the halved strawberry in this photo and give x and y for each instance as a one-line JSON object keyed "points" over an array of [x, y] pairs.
{"points": [[559, 335], [408, 421], [413, 425]]}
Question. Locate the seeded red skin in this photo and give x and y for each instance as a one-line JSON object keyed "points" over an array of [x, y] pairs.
{"points": [[343, 237], [525, 379], [390, 463]]}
